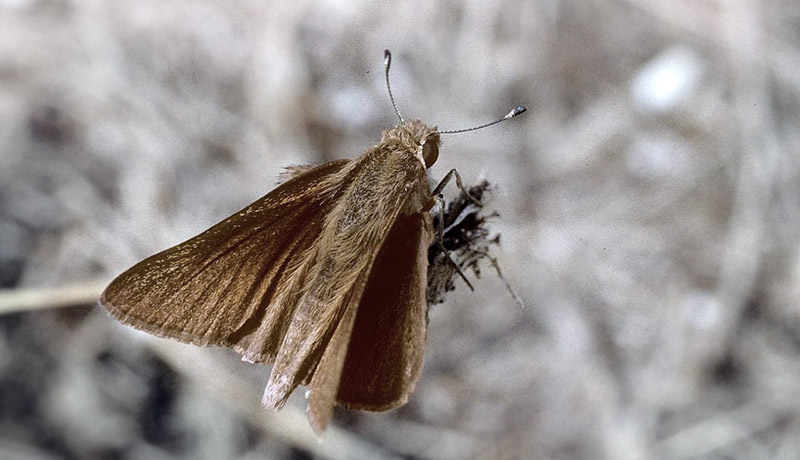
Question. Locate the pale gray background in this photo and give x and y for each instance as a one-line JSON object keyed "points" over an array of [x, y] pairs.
{"points": [[649, 200]]}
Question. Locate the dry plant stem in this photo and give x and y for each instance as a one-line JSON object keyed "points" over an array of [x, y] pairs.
{"points": [[722, 431], [496, 265], [759, 159], [20, 300], [440, 238]]}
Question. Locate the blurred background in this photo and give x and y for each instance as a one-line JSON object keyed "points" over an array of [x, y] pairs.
{"points": [[649, 203]]}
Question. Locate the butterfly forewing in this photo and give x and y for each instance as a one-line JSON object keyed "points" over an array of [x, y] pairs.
{"points": [[325, 381], [217, 288]]}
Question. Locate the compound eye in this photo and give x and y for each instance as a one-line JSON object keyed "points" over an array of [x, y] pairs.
{"points": [[430, 152]]}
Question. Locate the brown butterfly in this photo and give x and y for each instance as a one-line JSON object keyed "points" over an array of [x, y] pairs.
{"points": [[325, 277]]}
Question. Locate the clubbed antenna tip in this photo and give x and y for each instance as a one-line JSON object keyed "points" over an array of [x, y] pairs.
{"points": [[387, 63], [520, 109]]}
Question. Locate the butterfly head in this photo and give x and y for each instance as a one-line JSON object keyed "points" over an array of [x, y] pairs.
{"points": [[416, 135]]}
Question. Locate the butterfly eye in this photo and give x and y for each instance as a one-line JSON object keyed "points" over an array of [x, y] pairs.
{"points": [[430, 152]]}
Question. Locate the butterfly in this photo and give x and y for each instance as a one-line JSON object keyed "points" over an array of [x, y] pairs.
{"points": [[324, 277]]}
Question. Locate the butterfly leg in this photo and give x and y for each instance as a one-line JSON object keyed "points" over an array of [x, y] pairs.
{"points": [[460, 185], [440, 237]]}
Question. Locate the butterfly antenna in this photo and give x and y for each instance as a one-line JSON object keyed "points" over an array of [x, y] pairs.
{"points": [[387, 62], [518, 110]]}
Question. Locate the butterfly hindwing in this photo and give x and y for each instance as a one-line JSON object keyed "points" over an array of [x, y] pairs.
{"points": [[374, 358], [385, 354]]}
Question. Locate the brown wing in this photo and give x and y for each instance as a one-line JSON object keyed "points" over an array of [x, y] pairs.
{"points": [[227, 286], [325, 381], [374, 358], [384, 358], [382, 187]]}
